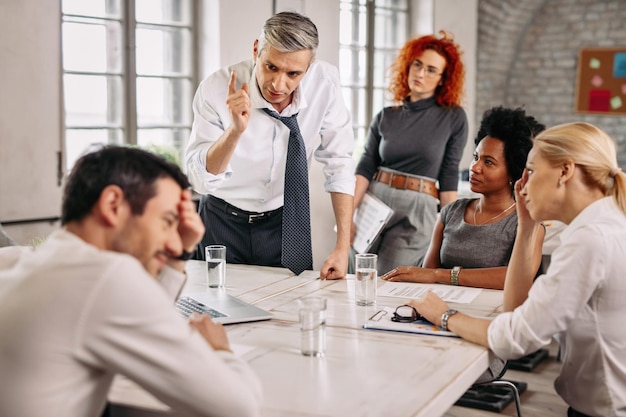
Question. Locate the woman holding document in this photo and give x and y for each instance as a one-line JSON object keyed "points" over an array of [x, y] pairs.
{"points": [[473, 237], [571, 176], [414, 145]]}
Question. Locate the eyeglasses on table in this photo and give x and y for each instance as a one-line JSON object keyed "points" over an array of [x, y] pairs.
{"points": [[406, 314]]}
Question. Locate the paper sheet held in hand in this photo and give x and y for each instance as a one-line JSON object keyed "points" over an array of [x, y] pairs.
{"points": [[370, 218]]}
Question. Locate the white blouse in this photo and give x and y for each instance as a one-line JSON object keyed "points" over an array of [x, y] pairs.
{"points": [[582, 299]]}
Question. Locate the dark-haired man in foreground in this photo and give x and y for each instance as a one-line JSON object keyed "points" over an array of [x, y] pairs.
{"points": [[95, 299]]}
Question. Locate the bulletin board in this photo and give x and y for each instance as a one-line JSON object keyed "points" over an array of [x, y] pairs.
{"points": [[601, 81]]}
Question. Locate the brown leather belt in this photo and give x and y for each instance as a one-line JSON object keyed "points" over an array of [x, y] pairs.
{"points": [[405, 182]]}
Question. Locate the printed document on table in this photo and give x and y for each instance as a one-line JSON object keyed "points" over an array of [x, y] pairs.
{"points": [[448, 293], [370, 218]]}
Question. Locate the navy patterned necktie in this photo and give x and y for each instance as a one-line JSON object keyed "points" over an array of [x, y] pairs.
{"points": [[296, 241]]}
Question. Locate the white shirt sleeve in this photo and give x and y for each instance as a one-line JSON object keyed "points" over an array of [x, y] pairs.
{"points": [[133, 328], [208, 126], [555, 299], [337, 138]]}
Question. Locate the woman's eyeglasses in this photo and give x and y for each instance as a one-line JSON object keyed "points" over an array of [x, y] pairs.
{"points": [[406, 314], [429, 72]]}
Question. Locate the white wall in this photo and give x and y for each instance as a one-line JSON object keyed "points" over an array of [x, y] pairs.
{"points": [[461, 18], [30, 115]]}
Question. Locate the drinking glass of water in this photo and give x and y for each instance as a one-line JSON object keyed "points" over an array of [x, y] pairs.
{"points": [[313, 325], [366, 277], [216, 265]]}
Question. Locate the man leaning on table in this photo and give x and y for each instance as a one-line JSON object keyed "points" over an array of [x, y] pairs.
{"points": [[95, 299], [257, 125]]}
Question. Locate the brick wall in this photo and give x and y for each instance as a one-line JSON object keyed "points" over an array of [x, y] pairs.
{"points": [[528, 56]]}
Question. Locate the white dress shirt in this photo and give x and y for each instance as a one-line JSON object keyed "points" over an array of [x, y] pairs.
{"points": [[72, 316], [255, 178], [581, 299]]}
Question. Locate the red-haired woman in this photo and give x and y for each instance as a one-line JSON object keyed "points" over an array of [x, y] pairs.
{"points": [[414, 145]]}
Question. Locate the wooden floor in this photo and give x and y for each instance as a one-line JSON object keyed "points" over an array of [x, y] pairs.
{"points": [[539, 399]]}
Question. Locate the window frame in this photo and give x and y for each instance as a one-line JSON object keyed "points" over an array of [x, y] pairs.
{"points": [[126, 132], [370, 88]]}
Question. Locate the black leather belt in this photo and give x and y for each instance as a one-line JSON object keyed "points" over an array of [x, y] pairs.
{"points": [[249, 217]]}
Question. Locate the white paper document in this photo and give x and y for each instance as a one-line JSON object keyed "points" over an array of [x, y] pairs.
{"points": [[448, 293], [370, 218]]}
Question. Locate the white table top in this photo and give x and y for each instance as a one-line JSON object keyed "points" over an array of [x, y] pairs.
{"points": [[364, 372]]}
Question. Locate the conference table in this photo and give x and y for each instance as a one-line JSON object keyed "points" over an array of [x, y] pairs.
{"points": [[363, 372]]}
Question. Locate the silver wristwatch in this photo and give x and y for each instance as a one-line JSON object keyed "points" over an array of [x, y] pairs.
{"points": [[454, 275], [444, 318]]}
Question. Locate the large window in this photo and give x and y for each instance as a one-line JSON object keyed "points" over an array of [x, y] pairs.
{"points": [[128, 74], [371, 33]]}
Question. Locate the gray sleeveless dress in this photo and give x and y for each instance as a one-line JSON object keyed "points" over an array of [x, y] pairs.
{"points": [[475, 246]]}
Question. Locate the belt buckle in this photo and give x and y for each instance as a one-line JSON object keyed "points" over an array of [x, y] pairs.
{"points": [[406, 181], [253, 217], [421, 185]]}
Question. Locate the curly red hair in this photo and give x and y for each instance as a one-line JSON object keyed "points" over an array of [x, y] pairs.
{"points": [[450, 93]]}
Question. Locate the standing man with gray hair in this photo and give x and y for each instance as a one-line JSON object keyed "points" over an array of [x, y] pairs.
{"points": [[257, 126]]}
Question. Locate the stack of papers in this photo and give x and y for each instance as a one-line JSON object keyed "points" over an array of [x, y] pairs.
{"points": [[448, 293]]}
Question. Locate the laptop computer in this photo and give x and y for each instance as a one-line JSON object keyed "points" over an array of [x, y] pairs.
{"points": [[222, 307]]}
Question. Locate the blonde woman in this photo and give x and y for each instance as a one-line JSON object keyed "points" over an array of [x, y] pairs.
{"points": [[571, 176]]}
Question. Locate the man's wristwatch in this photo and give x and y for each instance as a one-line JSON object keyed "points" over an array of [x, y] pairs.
{"points": [[454, 275], [444, 318], [185, 256]]}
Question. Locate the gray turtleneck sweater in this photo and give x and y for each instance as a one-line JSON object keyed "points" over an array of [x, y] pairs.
{"points": [[419, 138]]}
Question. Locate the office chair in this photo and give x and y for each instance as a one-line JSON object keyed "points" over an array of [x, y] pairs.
{"points": [[529, 362], [511, 385], [494, 395]]}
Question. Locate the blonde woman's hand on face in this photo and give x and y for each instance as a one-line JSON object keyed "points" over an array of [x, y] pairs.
{"points": [[410, 274], [213, 333], [523, 216]]}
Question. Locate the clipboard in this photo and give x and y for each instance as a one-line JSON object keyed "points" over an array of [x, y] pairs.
{"points": [[381, 320], [370, 218]]}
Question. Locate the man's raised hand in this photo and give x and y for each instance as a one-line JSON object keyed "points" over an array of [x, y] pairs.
{"points": [[238, 102]]}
